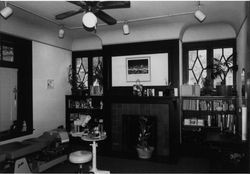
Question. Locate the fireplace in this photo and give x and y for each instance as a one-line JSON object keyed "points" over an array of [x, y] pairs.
{"points": [[130, 132], [123, 123]]}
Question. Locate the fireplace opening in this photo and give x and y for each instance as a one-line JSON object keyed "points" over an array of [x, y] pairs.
{"points": [[130, 132]]}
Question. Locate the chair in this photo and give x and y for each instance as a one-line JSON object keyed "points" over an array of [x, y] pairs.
{"points": [[80, 157]]}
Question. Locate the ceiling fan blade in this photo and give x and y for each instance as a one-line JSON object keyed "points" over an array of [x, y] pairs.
{"points": [[68, 14], [81, 4], [113, 4], [105, 17]]}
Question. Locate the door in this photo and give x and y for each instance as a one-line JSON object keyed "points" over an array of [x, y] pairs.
{"points": [[8, 97]]}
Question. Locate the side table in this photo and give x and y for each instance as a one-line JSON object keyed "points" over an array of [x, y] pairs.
{"points": [[90, 138]]}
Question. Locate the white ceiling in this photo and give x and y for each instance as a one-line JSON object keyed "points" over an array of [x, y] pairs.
{"points": [[230, 12]]}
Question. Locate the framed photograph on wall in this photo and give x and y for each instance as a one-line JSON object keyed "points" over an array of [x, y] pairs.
{"points": [[138, 68]]}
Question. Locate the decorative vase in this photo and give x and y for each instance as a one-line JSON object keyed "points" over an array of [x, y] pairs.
{"points": [[145, 153]]}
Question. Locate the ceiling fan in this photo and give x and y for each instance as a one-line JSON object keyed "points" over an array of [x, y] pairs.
{"points": [[95, 9]]}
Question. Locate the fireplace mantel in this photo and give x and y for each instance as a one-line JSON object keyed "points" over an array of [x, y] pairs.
{"points": [[137, 99]]}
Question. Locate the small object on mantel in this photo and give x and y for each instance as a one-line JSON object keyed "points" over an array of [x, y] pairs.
{"points": [[137, 88], [190, 90]]}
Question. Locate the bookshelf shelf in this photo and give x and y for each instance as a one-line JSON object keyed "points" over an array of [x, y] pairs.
{"points": [[208, 114]]}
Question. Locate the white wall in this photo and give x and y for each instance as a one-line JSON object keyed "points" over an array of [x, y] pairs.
{"points": [[206, 32], [141, 33], [49, 104], [92, 42], [241, 54], [138, 33]]}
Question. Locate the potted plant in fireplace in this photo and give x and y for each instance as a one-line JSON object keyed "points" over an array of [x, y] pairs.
{"points": [[144, 149]]}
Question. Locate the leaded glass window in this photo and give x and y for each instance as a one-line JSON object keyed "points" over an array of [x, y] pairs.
{"points": [[82, 73], [197, 66], [97, 71], [201, 59], [224, 58], [7, 53]]}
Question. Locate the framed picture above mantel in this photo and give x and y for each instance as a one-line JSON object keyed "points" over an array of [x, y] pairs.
{"points": [[138, 68]]}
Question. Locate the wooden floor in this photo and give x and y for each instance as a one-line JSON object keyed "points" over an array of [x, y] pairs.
{"points": [[124, 165]]}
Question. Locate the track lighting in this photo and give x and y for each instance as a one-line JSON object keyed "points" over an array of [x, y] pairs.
{"points": [[61, 33], [6, 11], [199, 15], [125, 28], [89, 20]]}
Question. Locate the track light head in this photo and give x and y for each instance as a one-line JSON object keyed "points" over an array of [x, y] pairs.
{"points": [[61, 33], [125, 28], [199, 15], [6, 12]]}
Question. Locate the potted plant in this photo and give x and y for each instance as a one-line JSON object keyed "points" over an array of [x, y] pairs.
{"points": [[220, 69], [144, 149], [207, 88]]}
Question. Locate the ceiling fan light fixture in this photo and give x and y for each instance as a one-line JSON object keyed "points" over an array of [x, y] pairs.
{"points": [[199, 15], [89, 20], [6, 11], [125, 28]]}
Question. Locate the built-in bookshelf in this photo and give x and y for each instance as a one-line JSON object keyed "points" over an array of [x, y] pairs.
{"points": [[77, 106], [203, 114]]}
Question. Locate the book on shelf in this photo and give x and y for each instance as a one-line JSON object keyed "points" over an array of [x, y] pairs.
{"points": [[207, 105]]}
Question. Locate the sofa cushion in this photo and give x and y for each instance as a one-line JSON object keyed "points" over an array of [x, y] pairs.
{"points": [[18, 149]]}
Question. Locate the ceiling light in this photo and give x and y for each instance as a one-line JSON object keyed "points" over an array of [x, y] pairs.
{"points": [[6, 11], [61, 33], [199, 15], [125, 28], [89, 20]]}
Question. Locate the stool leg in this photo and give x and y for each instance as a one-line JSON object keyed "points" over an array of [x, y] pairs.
{"points": [[80, 170]]}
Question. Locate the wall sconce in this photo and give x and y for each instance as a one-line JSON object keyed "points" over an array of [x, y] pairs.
{"points": [[6, 11], [199, 15], [61, 33], [125, 28], [89, 21]]}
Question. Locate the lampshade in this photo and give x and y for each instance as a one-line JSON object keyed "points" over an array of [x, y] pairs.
{"points": [[61, 33], [199, 15], [89, 20], [6, 12], [125, 29]]}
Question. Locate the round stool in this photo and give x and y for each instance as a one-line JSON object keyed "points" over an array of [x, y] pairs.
{"points": [[80, 157]]}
